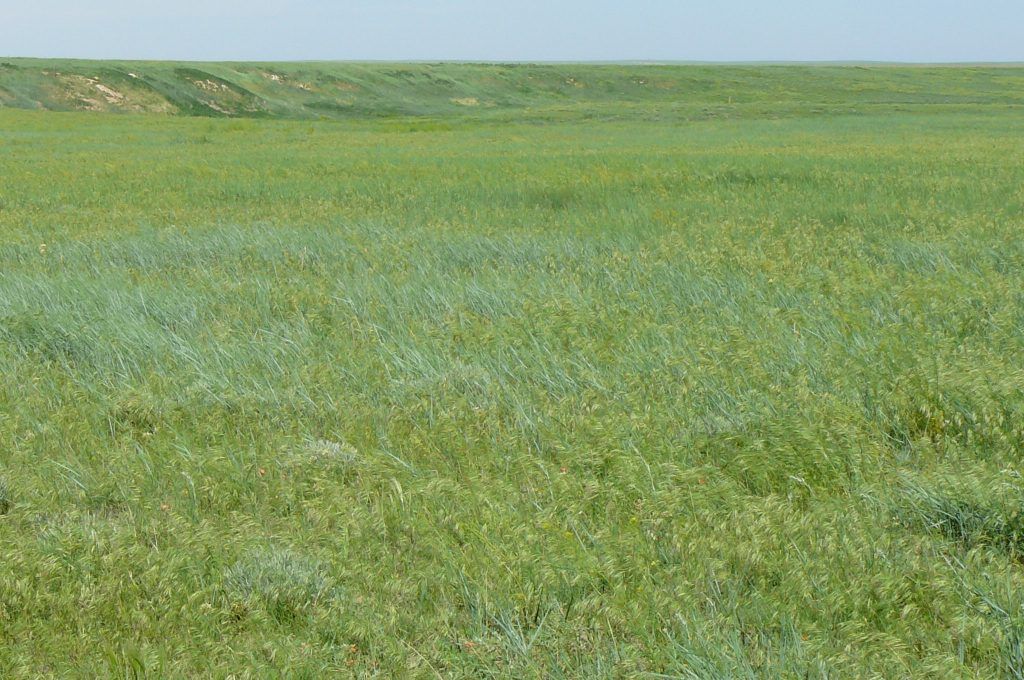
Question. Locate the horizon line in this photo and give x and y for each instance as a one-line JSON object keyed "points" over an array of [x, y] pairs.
{"points": [[546, 62]]}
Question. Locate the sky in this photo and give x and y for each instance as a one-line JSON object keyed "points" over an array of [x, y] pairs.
{"points": [[517, 30]]}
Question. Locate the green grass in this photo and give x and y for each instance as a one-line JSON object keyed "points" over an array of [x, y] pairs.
{"points": [[500, 92], [602, 387]]}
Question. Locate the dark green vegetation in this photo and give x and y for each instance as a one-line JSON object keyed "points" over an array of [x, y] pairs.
{"points": [[695, 388]]}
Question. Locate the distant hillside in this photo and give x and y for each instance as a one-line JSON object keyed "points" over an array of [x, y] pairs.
{"points": [[341, 90]]}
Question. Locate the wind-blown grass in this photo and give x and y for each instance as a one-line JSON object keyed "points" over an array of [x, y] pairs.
{"points": [[639, 398]]}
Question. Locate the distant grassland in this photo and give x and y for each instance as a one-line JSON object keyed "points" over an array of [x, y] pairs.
{"points": [[497, 91], [716, 375]]}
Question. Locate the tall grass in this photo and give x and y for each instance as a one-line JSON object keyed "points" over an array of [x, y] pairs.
{"points": [[641, 398]]}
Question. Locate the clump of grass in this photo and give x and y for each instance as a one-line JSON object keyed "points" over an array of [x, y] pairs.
{"points": [[961, 514], [285, 584], [133, 415], [330, 452], [320, 457], [967, 405], [5, 497], [36, 335], [1011, 657]]}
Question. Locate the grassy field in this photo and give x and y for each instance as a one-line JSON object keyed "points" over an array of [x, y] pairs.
{"points": [[725, 380], [501, 92]]}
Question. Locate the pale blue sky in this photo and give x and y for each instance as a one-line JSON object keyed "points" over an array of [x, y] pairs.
{"points": [[699, 30]]}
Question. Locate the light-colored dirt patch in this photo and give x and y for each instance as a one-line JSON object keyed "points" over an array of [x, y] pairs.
{"points": [[218, 108], [110, 94], [80, 91], [466, 101], [91, 104], [210, 85], [285, 80], [89, 93]]}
